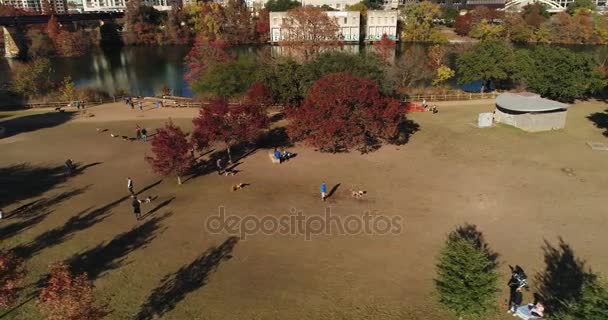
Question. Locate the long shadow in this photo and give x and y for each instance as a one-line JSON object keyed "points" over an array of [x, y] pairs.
{"points": [[561, 283], [82, 221], [600, 120], [470, 233], [158, 207], [23, 181], [33, 213], [406, 128], [176, 286], [333, 190], [109, 256], [32, 122]]}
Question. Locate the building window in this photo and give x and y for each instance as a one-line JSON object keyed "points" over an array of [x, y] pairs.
{"points": [[337, 6], [345, 20], [371, 20]]}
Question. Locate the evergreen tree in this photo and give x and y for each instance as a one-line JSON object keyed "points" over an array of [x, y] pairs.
{"points": [[592, 305], [467, 280]]}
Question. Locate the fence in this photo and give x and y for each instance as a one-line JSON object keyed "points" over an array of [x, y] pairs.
{"points": [[61, 104], [453, 96]]}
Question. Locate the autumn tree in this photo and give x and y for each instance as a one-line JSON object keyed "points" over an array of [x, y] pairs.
{"points": [[307, 30], [262, 25], [411, 69], [238, 26], [230, 124], [141, 22], [171, 151], [33, 78], [419, 26], [535, 14], [11, 277], [72, 44], [53, 28], [258, 95], [175, 28], [463, 24], [487, 31], [206, 19], [39, 44], [342, 112], [577, 6], [202, 55], [436, 56], [562, 28], [69, 297], [385, 48]]}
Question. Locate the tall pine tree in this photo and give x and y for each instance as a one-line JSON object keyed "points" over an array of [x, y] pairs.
{"points": [[467, 279]]}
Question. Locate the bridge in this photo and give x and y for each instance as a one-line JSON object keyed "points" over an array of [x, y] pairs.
{"points": [[12, 27]]}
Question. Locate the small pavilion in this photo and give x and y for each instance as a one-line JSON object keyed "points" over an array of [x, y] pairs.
{"points": [[530, 112]]}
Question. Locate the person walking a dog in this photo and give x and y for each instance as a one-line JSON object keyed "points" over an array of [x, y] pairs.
{"points": [[136, 207]]}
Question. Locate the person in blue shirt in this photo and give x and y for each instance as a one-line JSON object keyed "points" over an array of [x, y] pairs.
{"points": [[323, 191], [277, 154]]}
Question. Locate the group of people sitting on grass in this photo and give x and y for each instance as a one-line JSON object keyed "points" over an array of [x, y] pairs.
{"points": [[282, 156]]}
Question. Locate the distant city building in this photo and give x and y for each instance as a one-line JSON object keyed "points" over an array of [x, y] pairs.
{"points": [[121, 5], [469, 4], [57, 6], [349, 23], [380, 22]]}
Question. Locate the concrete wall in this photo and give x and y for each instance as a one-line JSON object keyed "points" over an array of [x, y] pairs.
{"points": [[533, 122]]}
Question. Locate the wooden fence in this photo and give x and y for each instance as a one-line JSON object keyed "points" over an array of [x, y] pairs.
{"points": [[453, 96]]}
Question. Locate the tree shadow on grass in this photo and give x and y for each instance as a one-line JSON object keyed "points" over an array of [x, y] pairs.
{"points": [[600, 120], [470, 233], [32, 122], [24, 181], [176, 286], [561, 283], [33, 213], [82, 221], [109, 256], [406, 129]]}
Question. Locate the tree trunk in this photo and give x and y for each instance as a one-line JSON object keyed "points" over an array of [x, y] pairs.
{"points": [[229, 155], [179, 180]]}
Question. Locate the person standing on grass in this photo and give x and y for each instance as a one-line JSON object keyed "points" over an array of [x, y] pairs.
{"points": [[136, 207], [144, 134], [130, 185], [323, 191], [219, 166], [141, 106]]}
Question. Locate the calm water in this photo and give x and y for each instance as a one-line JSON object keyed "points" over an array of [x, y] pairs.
{"points": [[145, 70]]}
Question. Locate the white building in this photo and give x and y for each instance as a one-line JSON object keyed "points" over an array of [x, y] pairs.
{"points": [[58, 6], [121, 5], [348, 23], [380, 22]]}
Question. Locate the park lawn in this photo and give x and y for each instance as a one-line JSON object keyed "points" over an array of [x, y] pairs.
{"points": [[518, 188]]}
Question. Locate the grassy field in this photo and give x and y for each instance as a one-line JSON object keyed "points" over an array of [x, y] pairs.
{"points": [[519, 189]]}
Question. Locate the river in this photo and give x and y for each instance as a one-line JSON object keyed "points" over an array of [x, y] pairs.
{"points": [[145, 70]]}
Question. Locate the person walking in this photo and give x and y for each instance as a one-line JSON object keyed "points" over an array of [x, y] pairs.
{"points": [[132, 105], [220, 168], [130, 185], [136, 207], [138, 132], [141, 106], [323, 191]]}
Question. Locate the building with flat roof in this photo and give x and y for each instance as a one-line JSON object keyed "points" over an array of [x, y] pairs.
{"points": [[348, 23], [380, 22], [57, 6]]}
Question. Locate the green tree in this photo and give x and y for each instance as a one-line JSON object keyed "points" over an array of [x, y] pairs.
{"points": [[467, 280], [284, 79], [281, 5], [592, 304], [34, 78], [419, 24], [486, 61], [443, 74], [558, 73], [67, 89], [575, 6], [228, 79], [366, 66]]}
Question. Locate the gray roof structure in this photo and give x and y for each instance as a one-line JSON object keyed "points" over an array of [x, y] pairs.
{"points": [[527, 102]]}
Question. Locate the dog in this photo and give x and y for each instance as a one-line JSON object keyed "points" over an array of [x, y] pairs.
{"points": [[113, 135], [238, 186], [358, 194], [125, 138], [229, 173], [59, 109]]}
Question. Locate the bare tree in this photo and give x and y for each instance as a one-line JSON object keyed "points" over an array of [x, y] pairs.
{"points": [[308, 29]]}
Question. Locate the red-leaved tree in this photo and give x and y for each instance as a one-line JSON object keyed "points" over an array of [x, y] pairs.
{"points": [[230, 124], [171, 150], [203, 54], [258, 94], [463, 24], [385, 48], [342, 111], [11, 277], [69, 297], [53, 28]]}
